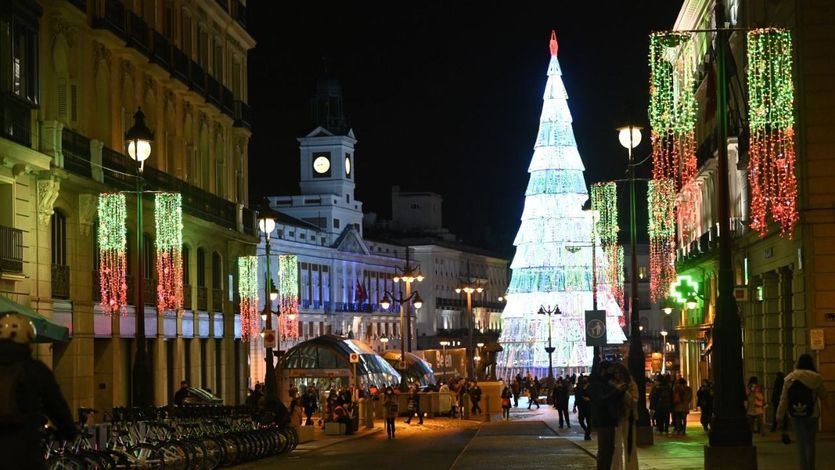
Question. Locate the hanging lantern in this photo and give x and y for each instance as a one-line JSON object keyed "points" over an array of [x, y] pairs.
{"points": [[604, 200], [112, 240], [771, 161], [288, 295], [248, 291], [169, 242], [672, 108], [661, 200]]}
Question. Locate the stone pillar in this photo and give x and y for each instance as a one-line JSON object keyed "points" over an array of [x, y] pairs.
{"points": [[51, 141], [770, 328]]}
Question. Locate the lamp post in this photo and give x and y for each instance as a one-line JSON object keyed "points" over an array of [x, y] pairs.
{"points": [[550, 349], [385, 342], [468, 286], [266, 224], [664, 351], [408, 275], [443, 344], [629, 137], [138, 140]]}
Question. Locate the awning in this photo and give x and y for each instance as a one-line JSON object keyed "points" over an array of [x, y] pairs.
{"points": [[45, 330]]}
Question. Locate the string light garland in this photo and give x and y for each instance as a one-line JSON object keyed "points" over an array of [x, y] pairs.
{"points": [[112, 240], [672, 108], [248, 291], [168, 212], [604, 200], [662, 230], [772, 158], [288, 295]]}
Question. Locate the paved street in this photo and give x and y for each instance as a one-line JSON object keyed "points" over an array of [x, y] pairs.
{"points": [[530, 440]]}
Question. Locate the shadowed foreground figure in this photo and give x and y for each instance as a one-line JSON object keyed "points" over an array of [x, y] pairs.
{"points": [[29, 395]]}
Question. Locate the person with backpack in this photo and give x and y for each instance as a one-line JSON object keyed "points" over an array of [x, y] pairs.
{"points": [[803, 393], [755, 406], [29, 394]]}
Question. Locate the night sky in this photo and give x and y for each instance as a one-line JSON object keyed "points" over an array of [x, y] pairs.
{"points": [[446, 96]]}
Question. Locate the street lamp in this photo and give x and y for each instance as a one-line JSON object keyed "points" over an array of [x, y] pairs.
{"points": [[468, 286], [664, 352], [550, 349], [629, 137], [266, 224], [408, 274], [138, 142]]}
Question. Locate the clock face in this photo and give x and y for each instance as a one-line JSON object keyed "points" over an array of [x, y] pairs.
{"points": [[321, 164], [347, 166]]}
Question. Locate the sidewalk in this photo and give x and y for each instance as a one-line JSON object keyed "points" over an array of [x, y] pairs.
{"points": [[685, 452]]}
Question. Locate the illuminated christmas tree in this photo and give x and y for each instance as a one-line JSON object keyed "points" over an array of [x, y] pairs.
{"points": [[553, 261]]}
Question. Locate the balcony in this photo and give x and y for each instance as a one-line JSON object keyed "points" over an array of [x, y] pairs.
{"points": [[241, 115], [187, 298], [11, 250], [228, 102], [214, 91], [112, 19], [198, 78], [60, 281], [138, 33], [76, 149], [162, 50], [16, 117], [202, 298], [217, 300]]}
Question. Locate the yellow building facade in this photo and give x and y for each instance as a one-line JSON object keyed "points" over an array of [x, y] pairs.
{"points": [[72, 75]]}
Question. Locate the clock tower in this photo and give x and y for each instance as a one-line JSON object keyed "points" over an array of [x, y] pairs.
{"points": [[327, 166]]}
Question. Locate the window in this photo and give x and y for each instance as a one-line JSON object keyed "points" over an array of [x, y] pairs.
{"points": [[186, 36], [336, 223], [218, 61], [348, 198], [168, 21], [201, 268], [59, 239], [24, 61], [302, 236], [203, 48]]}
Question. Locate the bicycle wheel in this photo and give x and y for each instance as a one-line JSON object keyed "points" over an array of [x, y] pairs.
{"points": [[147, 456], [214, 453], [66, 462], [176, 455]]}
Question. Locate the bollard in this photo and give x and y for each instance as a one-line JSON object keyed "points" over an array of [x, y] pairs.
{"points": [[369, 413], [487, 408]]}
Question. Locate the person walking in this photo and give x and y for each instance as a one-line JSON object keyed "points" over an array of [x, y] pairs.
{"points": [[516, 389], [390, 410], [309, 405], [475, 398], [533, 390], [682, 396], [755, 406], [626, 451], [604, 412], [30, 395], [801, 398], [582, 406], [776, 392], [704, 400], [507, 394], [182, 393], [414, 406], [560, 398], [661, 402]]}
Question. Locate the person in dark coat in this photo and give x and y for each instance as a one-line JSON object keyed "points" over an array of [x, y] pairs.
{"points": [[32, 395], [605, 409], [309, 404], [533, 390], [582, 406], [661, 401], [516, 389], [776, 392], [251, 401], [560, 398], [475, 398], [181, 394], [704, 400], [414, 406]]}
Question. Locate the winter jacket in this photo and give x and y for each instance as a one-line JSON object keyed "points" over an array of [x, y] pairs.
{"points": [[755, 403], [661, 398], [808, 378], [390, 406], [682, 396]]}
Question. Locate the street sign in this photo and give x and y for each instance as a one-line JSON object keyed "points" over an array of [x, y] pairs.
{"points": [[354, 357], [595, 328], [269, 339], [816, 340]]}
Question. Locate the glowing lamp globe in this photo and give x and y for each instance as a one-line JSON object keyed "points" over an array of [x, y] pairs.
{"points": [[418, 301], [139, 138], [629, 136], [266, 225], [386, 302]]}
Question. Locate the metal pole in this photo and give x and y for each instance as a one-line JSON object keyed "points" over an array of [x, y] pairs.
{"points": [[550, 351], [636, 350], [470, 348], [729, 426], [270, 391], [596, 359], [408, 306], [142, 379]]}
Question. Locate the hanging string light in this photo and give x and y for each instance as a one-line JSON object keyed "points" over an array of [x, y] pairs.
{"points": [[604, 200], [672, 107], [288, 295], [112, 239], [169, 242], [248, 291], [771, 162], [662, 231]]}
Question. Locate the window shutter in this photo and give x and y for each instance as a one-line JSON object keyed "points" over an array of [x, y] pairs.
{"points": [[62, 99]]}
